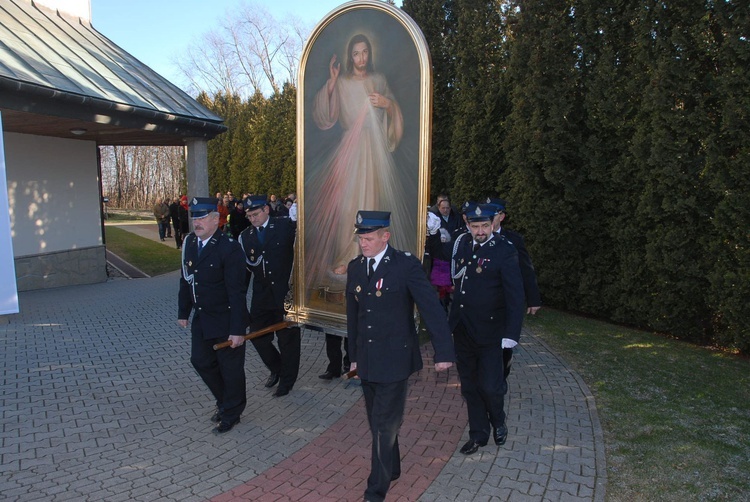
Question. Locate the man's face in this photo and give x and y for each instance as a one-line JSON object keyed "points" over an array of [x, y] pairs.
{"points": [[205, 227], [480, 230], [497, 221], [444, 207], [226, 200], [374, 242], [258, 216], [360, 56]]}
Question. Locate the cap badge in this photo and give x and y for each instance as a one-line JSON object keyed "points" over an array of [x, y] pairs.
{"points": [[195, 201], [478, 211], [359, 219]]}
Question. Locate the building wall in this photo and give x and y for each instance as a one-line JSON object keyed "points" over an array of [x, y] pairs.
{"points": [[55, 221]]}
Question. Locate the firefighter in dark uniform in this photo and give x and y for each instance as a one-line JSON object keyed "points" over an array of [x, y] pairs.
{"points": [[486, 316], [382, 286], [212, 286], [530, 287], [269, 252]]}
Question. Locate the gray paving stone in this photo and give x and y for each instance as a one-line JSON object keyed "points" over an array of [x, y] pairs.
{"points": [[100, 403]]}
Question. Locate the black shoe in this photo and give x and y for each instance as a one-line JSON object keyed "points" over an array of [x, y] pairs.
{"points": [[329, 375], [216, 417], [273, 379], [471, 446], [162, 240], [225, 426], [395, 476], [500, 435], [281, 391]]}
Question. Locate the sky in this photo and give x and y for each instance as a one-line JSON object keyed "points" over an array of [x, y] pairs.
{"points": [[156, 31]]}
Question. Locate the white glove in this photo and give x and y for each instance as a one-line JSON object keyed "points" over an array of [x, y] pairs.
{"points": [[433, 223], [509, 343], [445, 236]]}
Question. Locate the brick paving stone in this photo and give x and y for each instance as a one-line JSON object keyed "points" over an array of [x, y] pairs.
{"points": [[100, 403]]}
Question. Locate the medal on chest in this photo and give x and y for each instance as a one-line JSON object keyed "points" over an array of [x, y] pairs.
{"points": [[378, 287], [480, 262]]}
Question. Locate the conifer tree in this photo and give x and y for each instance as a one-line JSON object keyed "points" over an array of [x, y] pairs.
{"points": [[544, 133], [728, 158], [479, 98], [436, 20]]}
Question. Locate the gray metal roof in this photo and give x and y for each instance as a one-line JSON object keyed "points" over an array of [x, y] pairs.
{"points": [[43, 53]]}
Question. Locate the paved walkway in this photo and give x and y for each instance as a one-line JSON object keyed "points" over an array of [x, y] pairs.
{"points": [[99, 402]]}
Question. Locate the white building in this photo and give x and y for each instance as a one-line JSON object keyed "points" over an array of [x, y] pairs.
{"points": [[65, 89]]}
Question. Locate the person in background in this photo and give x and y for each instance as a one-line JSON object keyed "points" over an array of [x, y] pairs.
{"points": [[451, 226], [175, 217], [161, 213], [335, 356], [530, 287], [183, 216]]}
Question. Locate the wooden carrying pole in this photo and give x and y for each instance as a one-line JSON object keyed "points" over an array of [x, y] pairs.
{"points": [[256, 334]]}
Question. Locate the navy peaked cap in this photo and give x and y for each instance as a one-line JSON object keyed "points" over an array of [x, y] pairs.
{"points": [[483, 212], [200, 207], [369, 221], [255, 201]]}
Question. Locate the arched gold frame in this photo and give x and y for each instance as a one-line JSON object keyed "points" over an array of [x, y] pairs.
{"points": [[299, 310]]}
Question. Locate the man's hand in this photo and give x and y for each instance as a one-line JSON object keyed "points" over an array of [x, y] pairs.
{"points": [[182, 323], [532, 310], [442, 366], [236, 340]]}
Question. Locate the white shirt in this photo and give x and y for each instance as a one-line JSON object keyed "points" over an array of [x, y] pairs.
{"points": [[378, 257]]}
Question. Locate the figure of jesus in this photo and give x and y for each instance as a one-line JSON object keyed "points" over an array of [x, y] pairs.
{"points": [[361, 172]]}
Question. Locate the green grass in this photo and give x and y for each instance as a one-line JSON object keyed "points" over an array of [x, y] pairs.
{"points": [[151, 257], [129, 215], [676, 417]]}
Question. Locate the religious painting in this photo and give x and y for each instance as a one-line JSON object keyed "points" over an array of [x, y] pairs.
{"points": [[363, 130]]}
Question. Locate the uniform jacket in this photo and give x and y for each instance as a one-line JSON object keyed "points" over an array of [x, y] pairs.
{"points": [[531, 289], [488, 290], [381, 328], [270, 263], [214, 285]]}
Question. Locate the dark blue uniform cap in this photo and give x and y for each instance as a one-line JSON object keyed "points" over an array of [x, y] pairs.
{"points": [[483, 212], [369, 221], [469, 205], [255, 201], [200, 207], [497, 202]]}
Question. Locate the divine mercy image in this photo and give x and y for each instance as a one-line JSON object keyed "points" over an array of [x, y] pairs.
{"points": [[360, 167]]}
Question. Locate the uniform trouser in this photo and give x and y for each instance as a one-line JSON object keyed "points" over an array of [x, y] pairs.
{"points": [[223, 371], [284, 361], [333, 351], [385, 404], [482, 383], [177, 235], [507, 358]]}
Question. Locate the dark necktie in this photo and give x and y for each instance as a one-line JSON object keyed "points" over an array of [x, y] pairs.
{"points": [[261, 235], [200, 247], [370, 267], [476, 247]]}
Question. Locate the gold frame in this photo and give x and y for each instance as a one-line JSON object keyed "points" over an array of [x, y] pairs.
{"points": [[300, 310]]}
